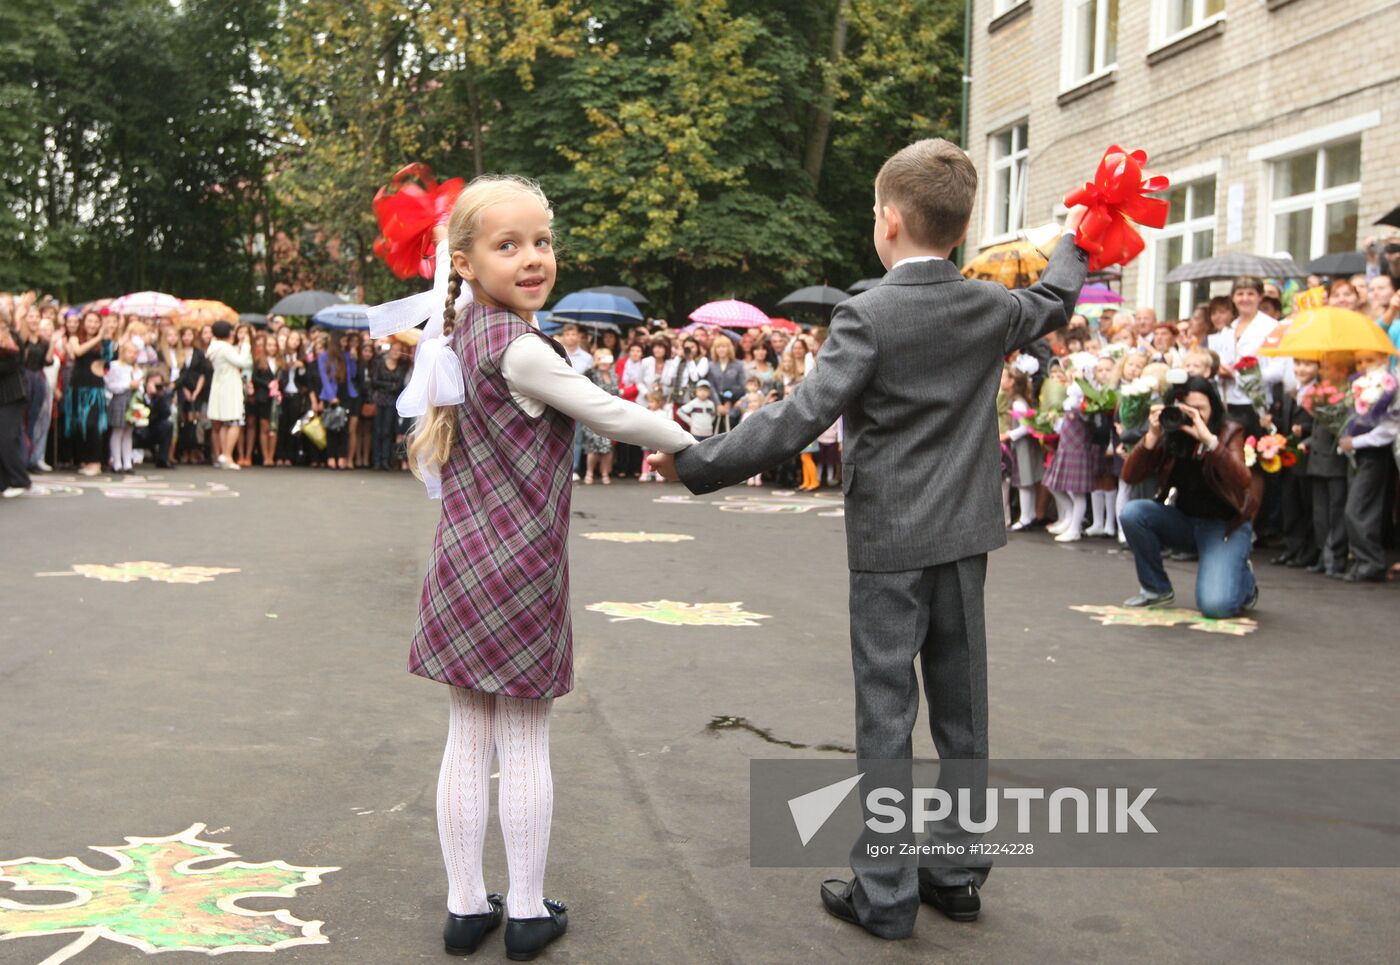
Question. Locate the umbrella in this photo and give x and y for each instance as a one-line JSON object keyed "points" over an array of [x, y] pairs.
{"points": [[253, 318], [209, 311], [1233, 265], [342, 316], [1099, 295], [730, 312], [822, 297], [1317, 331], [595, 307], [305, 303], [621, 291], [1392, 219], [408, 336], [1016, 264], [783, 325], [1339, 263], [148, 304], [865, 284]]}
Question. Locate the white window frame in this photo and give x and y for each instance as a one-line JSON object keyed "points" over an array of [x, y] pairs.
{"points": [[1199, 21], [1069, 53], [1317, 200], [1189, 176], [1000, 7], [1018, 184]]}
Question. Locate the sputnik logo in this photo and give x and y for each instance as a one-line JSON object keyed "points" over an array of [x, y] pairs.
{"points": [[812, 810]]}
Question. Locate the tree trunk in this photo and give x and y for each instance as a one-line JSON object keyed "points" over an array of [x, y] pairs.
{"points": [[474, 107], [821, 124]]}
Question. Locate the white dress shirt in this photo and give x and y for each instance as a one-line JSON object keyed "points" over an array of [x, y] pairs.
{"points": [[1234, 342], [537, 377]]}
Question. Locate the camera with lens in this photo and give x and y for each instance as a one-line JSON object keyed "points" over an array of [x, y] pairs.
{"points": [[1173, 418]]}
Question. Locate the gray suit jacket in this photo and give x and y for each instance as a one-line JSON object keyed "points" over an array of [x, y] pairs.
{"points": [[914, 365]]}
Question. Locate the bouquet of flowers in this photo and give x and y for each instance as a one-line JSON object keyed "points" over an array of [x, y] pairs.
{"points": [[1328, 405], [1373, 391], [138, 413], [1251, 383], [1134, 401], [1041, 425], [1270, 453], [1096, 400]]}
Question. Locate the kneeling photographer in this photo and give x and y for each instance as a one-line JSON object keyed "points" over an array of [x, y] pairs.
{"points": [[1206, 501]]}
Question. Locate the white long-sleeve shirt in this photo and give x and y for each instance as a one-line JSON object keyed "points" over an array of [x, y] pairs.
{"points": [[537, 377], [1233, 343]]}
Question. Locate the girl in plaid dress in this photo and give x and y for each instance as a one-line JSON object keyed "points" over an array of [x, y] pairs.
{"points": [[1073, 470], [496, 442]]}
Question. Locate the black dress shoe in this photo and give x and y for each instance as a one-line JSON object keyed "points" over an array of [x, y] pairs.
{"points": [[836, 898], [1283, 559], [527, 937], [1318, 567], [958, 902], [1362, 574], [463, 933], [1337, 573], [1299, 562]]}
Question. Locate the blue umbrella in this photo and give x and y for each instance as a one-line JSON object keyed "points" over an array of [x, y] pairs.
{"points": [[342, 316], [596, 307]]}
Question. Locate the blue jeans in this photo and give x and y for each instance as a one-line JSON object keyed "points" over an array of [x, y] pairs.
{"points": [[37, 417], [1224, 581]]}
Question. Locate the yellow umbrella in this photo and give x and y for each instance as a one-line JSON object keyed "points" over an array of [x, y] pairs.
{"points": [[1016, 264], [205, 311], [1318, 331]]}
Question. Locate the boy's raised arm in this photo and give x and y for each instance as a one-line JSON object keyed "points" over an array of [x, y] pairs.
{"points": [[777, 431], [1049, 303]]}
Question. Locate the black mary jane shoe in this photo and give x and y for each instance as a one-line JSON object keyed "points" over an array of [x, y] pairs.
{"points": [[527, 937], [958, 902], [463, 933]]}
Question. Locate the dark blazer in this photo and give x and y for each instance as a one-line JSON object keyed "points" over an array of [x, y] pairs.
{"points": [[914, 365], [12, 388], [1291, 414]]}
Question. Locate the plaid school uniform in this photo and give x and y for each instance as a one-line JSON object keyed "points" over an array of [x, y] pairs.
{"points": [[494, 614]]}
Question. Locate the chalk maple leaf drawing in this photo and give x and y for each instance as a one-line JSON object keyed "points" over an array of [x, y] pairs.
{"points": [[1117, 616], [157, 900], [673, 614], [143, 570], [639, 537]]}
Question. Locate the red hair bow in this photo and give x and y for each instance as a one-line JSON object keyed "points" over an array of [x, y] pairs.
{"points": [[408, 212], [1118, 193]]}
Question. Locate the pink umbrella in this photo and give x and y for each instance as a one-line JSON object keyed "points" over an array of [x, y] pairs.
{"points": [[147, 304], [730, 314], [1099, 295]]}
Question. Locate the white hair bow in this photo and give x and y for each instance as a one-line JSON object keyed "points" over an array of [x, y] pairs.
{"points": [[437, 374], [1027, 365]]}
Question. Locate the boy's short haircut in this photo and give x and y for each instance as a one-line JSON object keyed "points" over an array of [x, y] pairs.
{"points": [[1248, 281], [933, 184], [1202, 353]]}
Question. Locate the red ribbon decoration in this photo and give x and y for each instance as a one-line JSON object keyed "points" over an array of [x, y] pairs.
{"points": [[1117, 194], [408, 212]]}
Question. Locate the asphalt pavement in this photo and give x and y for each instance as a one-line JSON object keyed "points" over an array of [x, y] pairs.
{"points": [[263, 694]]}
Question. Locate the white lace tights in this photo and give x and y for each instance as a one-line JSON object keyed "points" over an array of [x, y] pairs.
{"points": [[516, 733]]}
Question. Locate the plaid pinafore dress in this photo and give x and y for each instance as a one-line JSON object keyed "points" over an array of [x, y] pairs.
{"points": [[494, 614]]}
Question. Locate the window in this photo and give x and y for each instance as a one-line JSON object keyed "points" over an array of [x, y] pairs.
{"points": [[1091, 40], [1172, 18], [1010, 150], [1315, 200], [1000, 7], [1189, 236]]}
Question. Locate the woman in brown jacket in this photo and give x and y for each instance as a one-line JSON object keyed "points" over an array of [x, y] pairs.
{"points": [[1192, 449]]}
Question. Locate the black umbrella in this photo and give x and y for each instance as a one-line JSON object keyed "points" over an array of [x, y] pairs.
{"points": [[1339, 263], [1233, 265], [305, 303], [865, 284], [814, 296], [621, 291], [1392, 219], [253, 318]]}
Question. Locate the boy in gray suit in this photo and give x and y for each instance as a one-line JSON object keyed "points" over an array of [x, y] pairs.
{"points": [[914, 365]]}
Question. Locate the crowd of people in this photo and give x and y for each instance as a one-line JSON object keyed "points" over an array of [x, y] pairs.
{"points": [[85, 389], [1317, 437]]}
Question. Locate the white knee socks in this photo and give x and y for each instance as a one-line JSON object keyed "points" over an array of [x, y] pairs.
{"points": [[1006, 502], [1123, 490], [516, 732], [120, 448], [1027, 494], [1104, 519], [1063, 507], [1076, 513]]}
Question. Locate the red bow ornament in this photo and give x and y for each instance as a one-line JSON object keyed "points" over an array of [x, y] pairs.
{"points": [[1117, 195], [409, 207]]}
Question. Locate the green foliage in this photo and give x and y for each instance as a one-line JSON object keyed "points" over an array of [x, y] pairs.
{"points": [[675, 137]]}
